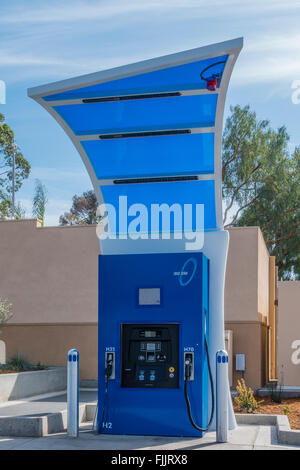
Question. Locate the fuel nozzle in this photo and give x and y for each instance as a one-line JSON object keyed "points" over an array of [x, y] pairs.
{"points": [[109, 363], [188, 366]]}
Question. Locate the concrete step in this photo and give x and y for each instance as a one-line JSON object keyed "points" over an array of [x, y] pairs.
{"points": [[37, 418]]}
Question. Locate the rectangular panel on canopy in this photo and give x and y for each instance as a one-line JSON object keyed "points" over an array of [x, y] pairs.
{"points": [[151, 156], [140, 115], [181, 77], [149, 194]]}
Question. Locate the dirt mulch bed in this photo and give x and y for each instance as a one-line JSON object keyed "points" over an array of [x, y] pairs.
{"points": [[4, 371], [267, 406], [8, 371]]}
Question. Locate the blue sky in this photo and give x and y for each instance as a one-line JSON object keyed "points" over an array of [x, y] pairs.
{"points": [[44, 41]]}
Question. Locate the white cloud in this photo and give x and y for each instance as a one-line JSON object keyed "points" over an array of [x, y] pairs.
{"points": [[12, 58], [266, 57], [52, 174], [274, 43], [35, 66], [79, 11], [272, 68], [269, 58]]}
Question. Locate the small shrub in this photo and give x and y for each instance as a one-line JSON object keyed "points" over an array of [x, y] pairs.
{"points": [[8, 367], [245, 399], [287, 410], [20, 362]]}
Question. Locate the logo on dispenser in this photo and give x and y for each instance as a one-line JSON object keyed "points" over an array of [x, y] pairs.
{"points": [[187, 272]]}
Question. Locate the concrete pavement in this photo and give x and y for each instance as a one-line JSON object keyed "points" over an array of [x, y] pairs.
{"points": [[253, 434], [246, 437], [42, 415], [52, 403]]}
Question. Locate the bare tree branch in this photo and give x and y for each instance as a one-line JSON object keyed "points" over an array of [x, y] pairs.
{"points": [[231, 159], [237, 190], [240, 209]]}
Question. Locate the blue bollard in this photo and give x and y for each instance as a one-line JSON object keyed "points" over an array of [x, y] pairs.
{"points": [[222, 396]]}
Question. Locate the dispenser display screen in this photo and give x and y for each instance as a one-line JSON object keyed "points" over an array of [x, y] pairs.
{"points": [[149, 296], [150, 334]]}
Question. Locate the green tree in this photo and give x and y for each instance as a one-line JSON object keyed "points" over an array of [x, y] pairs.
{"points": [[261, 185], [5, 311], [39, 201], [19, 211], [83, 210], [22, 168]]}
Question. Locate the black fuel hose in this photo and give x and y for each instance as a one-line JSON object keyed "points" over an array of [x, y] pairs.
{"points": [[188, 404], [107, 373]]}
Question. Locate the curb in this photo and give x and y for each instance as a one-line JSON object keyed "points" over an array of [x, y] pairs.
{"points": [[285, 434], [38, 425], [43, 425]]}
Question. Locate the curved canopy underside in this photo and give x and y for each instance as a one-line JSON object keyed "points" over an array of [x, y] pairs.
{"points": [[151, 131]]}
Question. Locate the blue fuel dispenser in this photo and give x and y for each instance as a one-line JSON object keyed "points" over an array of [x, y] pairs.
{"points": [[153, 320]]}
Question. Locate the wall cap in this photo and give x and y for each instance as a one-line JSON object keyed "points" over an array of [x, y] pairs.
{"points": [[285, 434]]}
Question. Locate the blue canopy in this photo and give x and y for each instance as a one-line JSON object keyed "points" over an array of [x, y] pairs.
{"points": [[151, 131]]}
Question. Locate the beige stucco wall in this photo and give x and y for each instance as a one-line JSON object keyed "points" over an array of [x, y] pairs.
{"points": [[262, 278], [249, 338], [247, 301], [244, 298], [289, 332], [50, 343], [50, 276]]}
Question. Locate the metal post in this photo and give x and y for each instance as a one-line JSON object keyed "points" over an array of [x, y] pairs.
{"points": [[14, 147], [73, 392], [222, 395]]}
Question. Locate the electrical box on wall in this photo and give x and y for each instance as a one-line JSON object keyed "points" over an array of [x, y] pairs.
{"points": [[240, 362]]}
